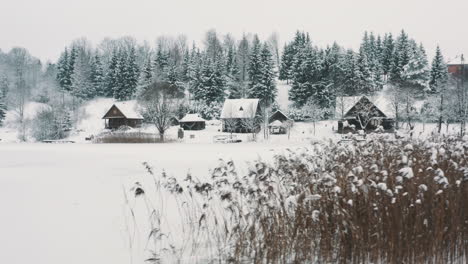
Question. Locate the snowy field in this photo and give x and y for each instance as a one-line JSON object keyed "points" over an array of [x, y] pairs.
{"points": [[63, 203]]}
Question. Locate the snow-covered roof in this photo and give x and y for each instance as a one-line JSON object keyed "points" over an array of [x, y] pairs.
{"points": [[128, 109], [456, 61], [239, 108], [192, 118], [345, 103]]}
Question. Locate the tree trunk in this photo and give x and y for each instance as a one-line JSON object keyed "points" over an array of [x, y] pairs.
{"points": [[441, 108], [161, 136]]}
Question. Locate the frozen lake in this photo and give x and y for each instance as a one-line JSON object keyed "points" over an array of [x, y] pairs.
{"points": [[63, 203]]}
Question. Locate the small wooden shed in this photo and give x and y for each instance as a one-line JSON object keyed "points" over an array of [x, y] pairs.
{"points": [[122, 114], [192, 122]]}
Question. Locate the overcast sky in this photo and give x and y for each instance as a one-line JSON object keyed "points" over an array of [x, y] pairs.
{"points": [[45, 27]]}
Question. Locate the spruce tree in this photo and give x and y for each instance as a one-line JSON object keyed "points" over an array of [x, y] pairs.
{"points": [[121, 91], [81, 87], [401, 57], [161, 64], [97, 76], [439, 73], [265, 88], [210, 86], [388, 51], [438, 82], [112, 75], [352, 74], [131, 73], [416, 73], [63, 76], [366, 84], [255, 64], [286, 63], [307, 74], [2, 106]]}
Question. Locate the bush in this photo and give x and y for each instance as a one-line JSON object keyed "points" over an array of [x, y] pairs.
{"points": [[378, 201], [51, 124]]}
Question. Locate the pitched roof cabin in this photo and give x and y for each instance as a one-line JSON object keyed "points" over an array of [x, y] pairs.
{"points": [[362, 113], [192, 122], [122, 114], [278, 123], [238, 115]]}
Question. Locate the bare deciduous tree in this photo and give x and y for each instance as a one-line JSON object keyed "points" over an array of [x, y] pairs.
{"points": [[159, 103]]}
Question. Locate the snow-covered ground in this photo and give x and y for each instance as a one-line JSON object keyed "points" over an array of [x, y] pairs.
{"points": [[64, 203]]}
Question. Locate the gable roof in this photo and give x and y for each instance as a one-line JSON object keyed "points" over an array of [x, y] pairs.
{"points": [[347, 102], [191, 118], [239, 108], [278, 115], [127, 109]]}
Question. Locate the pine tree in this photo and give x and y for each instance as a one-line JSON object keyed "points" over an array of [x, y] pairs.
{"points": [[210, 86], [352, 74], [332, 68], [416, 73], [121, 91], [307, 74], [401, 57], [254, 69], [243, 56], [81, 86], [97, 76], [286, 63], [439, 73], [112, 75], [366, 84], [388, 51], [2, 106], [265, 88], [63, 75], [4, 85], [131, 73], [439, 79], [161, 64], [146, 75]]}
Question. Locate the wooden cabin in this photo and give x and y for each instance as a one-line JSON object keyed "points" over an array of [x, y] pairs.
{"points": [[122, 114], [192, 122], [365, 114], [241, 115]]}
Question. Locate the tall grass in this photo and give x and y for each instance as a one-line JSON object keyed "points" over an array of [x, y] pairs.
{"points": [[378, 201]]}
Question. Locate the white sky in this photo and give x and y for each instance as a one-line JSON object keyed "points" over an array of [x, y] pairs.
{"points": [[45, 27]]}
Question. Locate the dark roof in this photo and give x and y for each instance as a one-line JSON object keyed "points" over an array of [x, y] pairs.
{"points": [[278, 115], [122, 110]]}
